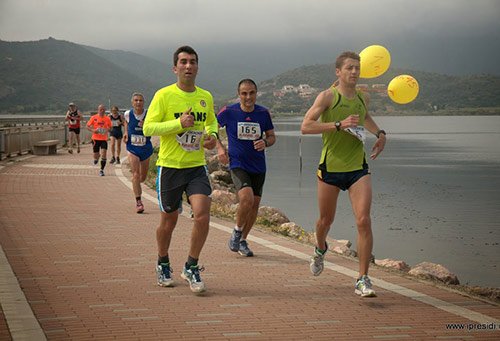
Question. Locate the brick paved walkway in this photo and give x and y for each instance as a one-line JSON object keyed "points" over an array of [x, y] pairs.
{"points": [[77, 263]]}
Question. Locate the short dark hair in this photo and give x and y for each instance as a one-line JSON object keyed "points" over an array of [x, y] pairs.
{"points": [[185, 48], [345, 55], [248, 81]]}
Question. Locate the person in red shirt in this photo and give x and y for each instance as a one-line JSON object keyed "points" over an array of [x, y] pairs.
{"points": [[100, 125], [73, 116]]}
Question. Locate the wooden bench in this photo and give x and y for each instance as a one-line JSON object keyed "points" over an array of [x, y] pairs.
{"points": [[46, 147]]}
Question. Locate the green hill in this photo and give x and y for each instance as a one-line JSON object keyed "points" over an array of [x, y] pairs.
{"points": [[45, 75], [437, 91]]}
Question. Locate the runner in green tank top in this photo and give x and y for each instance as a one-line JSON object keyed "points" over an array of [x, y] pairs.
{"points": [[340, 114]]}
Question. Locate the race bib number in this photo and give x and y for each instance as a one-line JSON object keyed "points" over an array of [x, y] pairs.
{"points": [[358, 132], [115, 123], [101, 131], [190, 140], [72, 122], [249, 131], [138, 140]]}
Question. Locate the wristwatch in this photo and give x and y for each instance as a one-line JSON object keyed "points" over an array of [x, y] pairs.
{"points": [[338, 124], [381, 131]]}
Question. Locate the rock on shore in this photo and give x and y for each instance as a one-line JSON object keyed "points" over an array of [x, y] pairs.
{"points": [[433, 271]]}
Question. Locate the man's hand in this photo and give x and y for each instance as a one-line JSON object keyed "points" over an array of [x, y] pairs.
{"points": [[187, 120], [209, 142], [378, 147], [259, 145], [125, 138], [350, 122]]}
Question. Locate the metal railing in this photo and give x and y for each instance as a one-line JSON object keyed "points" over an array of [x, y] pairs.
{"points": [[18, 136]]}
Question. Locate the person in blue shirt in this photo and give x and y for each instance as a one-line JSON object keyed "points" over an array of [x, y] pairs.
{"points": [[250, 131], [139, 147]]}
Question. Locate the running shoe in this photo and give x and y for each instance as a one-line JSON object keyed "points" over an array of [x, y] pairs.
{"points": [[139, 206], [70, 151], [101, 172], [164, 275], [316, 264], [95, 162], [112, 160], [78, 150], [363, 287], [234, 241], [244, 250], [192, 276], [117, 160]]}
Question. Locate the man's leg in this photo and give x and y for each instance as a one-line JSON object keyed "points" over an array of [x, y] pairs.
{"points": [[360, 194], [71, 141], [135, 168], [113, 144], [245, 208], [200, 204], [77, 142], [164, 231], [118, 150], [163, 239], [327, 202], [103, 160], [144, 167]]}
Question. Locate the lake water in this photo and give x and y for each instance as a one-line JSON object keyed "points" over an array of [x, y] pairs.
{"points": [[436, 191]]}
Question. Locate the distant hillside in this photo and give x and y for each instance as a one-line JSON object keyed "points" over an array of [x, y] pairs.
{"points": [[47, 74], [43, 76], [146, 68], [437, 91]]}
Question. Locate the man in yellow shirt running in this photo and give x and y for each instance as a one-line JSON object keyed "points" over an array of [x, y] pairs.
{"points": [[182, 114]]}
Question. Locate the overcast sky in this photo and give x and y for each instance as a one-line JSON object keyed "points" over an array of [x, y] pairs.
{"points": [[423, 25]]}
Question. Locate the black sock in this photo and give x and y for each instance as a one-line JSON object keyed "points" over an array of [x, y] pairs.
{"points": [[163, 260], [103, 164], [95, 162], [191, 262], [137, 198]]}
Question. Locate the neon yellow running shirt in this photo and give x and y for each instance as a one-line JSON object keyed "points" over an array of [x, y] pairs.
{"points": [[180, 147], [342, 152]]}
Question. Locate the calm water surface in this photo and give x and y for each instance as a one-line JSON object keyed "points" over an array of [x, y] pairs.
{"points": [[436, 191]]}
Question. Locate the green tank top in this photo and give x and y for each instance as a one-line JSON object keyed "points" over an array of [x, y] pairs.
{"points": [[343, 152]]}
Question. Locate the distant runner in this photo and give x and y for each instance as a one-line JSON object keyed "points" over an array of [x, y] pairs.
{"points": [[74, 118], [100, 125], [116, 134], [139, 147]]}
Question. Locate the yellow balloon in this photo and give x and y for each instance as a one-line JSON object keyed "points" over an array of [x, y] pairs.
{"points": [[375, 60], [403, 89]]}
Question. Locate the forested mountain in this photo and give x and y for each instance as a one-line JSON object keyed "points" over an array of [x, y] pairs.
{"points": [[43, 76]]}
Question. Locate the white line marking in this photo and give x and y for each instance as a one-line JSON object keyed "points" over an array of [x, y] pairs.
{"points": [[415, 295]]}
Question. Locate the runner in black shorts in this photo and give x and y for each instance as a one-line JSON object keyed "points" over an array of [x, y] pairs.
{"points": [[249, 131], [182, 114], [172, 183], [116, 134]]}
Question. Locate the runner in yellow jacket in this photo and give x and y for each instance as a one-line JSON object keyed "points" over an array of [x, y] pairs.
{"points": [[182, 114]]}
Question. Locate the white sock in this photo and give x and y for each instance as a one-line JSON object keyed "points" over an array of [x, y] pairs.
{"points": [[237, 228]]}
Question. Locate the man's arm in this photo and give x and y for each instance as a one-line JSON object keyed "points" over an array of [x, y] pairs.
{"points": [[154, 124], [373, 128], [310, 124]]}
